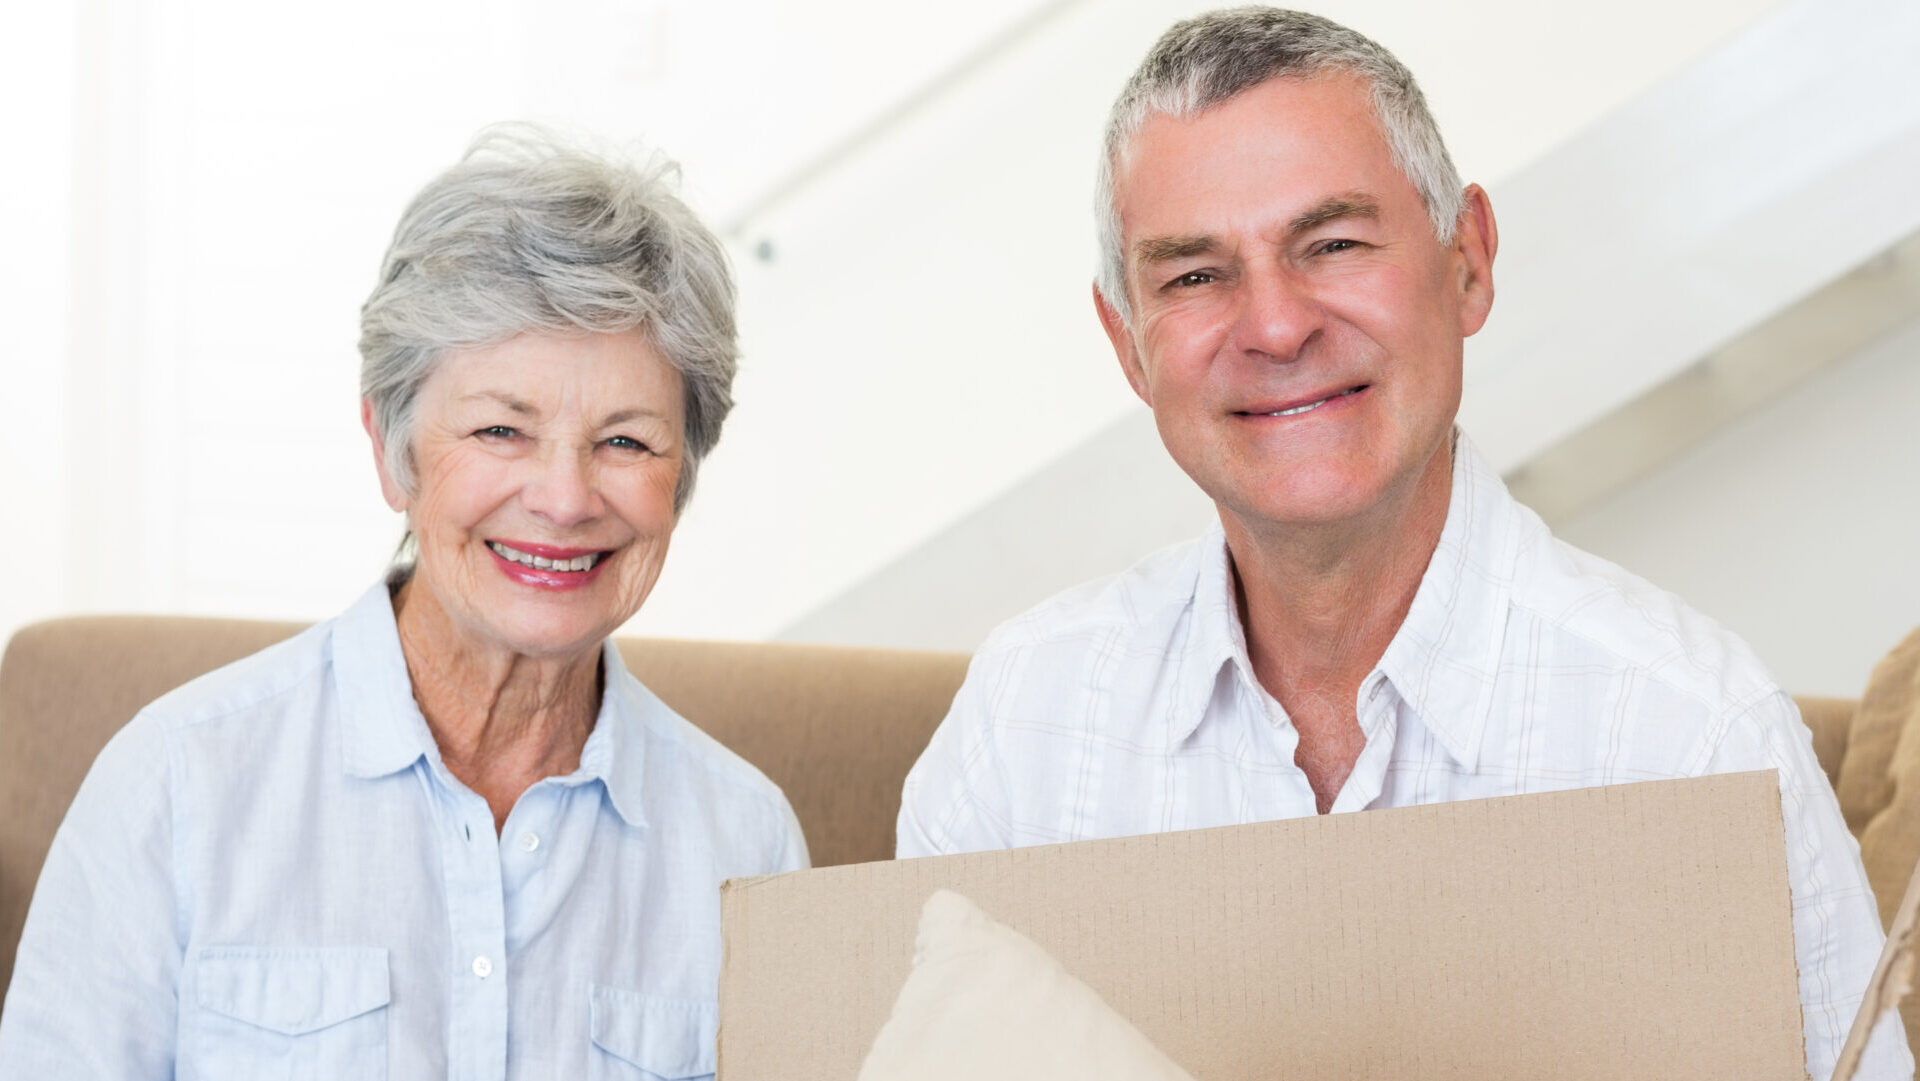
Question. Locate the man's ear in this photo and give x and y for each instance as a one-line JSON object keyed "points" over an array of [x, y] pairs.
{"points": [[395, 497], [1121, 336], [1476, 240]]}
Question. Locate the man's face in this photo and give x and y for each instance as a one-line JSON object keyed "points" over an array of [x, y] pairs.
{"points": [[1297, 327]]}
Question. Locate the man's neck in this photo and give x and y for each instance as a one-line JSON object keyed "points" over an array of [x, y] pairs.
{"points": [[1321, 603]]}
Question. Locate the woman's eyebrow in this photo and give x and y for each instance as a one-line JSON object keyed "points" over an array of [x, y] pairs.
{"points": [[624, 415], [517, 405]]}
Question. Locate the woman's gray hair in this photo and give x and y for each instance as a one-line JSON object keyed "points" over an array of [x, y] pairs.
{"points": [[530, 233], [1203, 61]]}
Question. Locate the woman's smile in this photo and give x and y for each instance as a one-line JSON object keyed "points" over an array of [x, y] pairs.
{"points": [[543, 566]]}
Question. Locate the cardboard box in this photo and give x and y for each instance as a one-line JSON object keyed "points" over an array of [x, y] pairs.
{"points": [[1634, 931]]}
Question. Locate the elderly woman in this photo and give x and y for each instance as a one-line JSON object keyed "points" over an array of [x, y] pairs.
{"points": [[445, 834]]}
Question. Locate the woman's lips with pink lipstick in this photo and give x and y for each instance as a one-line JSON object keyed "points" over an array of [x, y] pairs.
{"points": [[547, 566]]}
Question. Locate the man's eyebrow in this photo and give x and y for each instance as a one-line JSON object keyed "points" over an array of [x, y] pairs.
{"points": [[1353, 204], [1162, 249]]}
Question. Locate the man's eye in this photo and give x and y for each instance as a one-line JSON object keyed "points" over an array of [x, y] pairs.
{"points": [[1338, 245], [1192, 278]]}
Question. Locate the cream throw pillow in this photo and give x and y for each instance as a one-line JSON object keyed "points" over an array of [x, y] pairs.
{"points": [[984, 1002]]}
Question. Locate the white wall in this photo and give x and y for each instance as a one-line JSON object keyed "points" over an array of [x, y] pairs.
{"points": [[923, 343], [218, 178], [1628, 255], [200, 194], [1092, 511], [1798, 527], [36, 65]]}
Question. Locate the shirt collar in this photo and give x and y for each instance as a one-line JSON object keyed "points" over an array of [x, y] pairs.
{"points": [[1443, 659], [381, 726], [1213, 638], [1446, 655], [616, 750], [383, 731]]}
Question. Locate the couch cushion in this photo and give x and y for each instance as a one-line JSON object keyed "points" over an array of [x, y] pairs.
{"points": [[1831, 722], [1879, 786], [835, 727]]}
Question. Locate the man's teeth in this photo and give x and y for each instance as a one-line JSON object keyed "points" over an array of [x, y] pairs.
{"points": [[1310, 406], [541, 562]]}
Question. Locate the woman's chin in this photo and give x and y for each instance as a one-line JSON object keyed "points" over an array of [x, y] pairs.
{"points": [[544, 627], [548, 634]]}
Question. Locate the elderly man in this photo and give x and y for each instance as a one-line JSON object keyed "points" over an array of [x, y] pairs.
{"points": [[1290, 265]]}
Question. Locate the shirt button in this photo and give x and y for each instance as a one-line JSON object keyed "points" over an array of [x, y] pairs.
{"points": [[482, 967], [529, 841]]}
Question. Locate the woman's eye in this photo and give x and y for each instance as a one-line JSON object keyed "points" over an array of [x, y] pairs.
{"points": [[496, 431], [626, 442]]}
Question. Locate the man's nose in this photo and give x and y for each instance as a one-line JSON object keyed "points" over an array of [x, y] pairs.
{"points": [[560, 488], [1277, 313]]}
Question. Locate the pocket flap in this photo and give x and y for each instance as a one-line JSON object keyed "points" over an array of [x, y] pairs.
{"points": [[292, 991], [670, 1037]]}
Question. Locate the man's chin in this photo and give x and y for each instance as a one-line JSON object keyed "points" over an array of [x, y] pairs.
{"points": [[1308, 497]]}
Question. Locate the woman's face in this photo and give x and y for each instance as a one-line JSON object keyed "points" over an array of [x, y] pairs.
{"points": [[545, 470]]}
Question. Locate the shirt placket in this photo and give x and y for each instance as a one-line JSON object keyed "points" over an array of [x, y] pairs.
{"points": [[525, 844], [1377, 716], [1270, 736], [476, 926]]}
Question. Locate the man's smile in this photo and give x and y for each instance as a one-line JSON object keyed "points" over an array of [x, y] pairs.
{"points": [[1299, 406]]}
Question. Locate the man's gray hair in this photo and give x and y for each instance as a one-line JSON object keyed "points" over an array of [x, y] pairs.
{"points": [[1203, 61], [531, 233]]}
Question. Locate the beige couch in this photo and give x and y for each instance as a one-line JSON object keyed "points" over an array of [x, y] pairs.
{"points": [[836, 728]]}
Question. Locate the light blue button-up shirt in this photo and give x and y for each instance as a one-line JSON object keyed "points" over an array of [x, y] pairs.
{"points": [[270, 873]]}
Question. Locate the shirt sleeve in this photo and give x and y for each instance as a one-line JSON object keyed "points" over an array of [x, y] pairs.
{"points": [[94, 981], [792, 854], [956, 796], [1836, 923]]}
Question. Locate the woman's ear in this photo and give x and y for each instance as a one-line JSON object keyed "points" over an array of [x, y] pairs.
{"points": [[395, 496]]}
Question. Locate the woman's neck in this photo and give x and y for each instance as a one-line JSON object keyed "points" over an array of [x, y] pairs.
{"points": [[503, 721]]}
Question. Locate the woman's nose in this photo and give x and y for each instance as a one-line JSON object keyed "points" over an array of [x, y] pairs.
{"points": [[561, 488]]}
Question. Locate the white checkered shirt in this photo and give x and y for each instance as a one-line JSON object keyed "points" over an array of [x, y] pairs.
{"points": [[1128, 706]]}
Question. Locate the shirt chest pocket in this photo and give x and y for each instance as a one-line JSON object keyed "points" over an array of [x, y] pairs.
{"points": [[290, 1014], [640, 1037]]}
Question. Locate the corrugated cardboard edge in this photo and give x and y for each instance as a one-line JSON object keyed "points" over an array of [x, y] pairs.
{"points": [[1892, 981], [1778, 820], [736, 893]]}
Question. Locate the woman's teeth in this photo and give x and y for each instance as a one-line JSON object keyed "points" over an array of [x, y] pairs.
{"points": [[541, 562]]}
